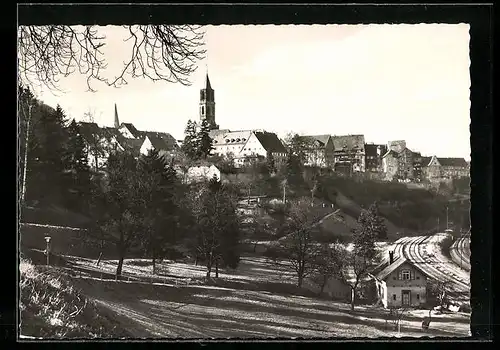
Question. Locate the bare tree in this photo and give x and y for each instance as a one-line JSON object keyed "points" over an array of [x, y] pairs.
{"points": [[299, 248], [352, 267], [394, 316], [158, 52]]}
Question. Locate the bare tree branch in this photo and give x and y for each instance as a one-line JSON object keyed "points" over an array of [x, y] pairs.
{"points": [[159, 53]]}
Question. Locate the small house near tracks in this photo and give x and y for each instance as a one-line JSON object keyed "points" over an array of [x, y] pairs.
{"points": [[401, 283]]}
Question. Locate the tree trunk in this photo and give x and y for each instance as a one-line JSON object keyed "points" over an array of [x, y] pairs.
{"points": [[325, 279], [154, 265], [99, 259], [209, 268], [353, 298], [196, 260], [217, 268], [301, 279], [119, 268]]}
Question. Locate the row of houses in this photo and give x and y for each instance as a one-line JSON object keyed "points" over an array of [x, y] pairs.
{"points": [[395, 161], [345, 154]]}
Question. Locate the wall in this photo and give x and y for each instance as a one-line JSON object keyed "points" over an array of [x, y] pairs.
{"points": [[390, 166], [414, 290]]}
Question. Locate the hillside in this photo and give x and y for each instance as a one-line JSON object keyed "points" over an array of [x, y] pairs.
{"points": [[253, 301]]}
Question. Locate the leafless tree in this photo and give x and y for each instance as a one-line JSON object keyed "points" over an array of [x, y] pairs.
{"points": [[394, 316], [158, 52], [352, 267], [300, 248]]}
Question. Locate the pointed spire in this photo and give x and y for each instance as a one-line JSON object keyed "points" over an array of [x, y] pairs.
{"points": [[208, 86], [117, 121]]}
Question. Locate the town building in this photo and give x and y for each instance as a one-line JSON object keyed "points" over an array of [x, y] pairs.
{"points": [[437, 169], [207, 104], [244, 144], [349, 153], [400, 283], [100, 142], [240, 145], [373, 157], [318, 150], [399, 162]]}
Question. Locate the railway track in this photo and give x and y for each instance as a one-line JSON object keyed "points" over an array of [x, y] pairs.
{"points": [[438, 268], [460, 252]]}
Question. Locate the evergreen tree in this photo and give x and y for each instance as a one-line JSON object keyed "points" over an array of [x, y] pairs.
{"points": [[270, 163], [77, 170], [215, 225], [293, 170], [189, 145], [158, 186], [46, 150], [204, 142], [118, 206]]}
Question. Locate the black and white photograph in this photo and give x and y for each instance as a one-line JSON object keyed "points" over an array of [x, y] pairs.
{"points": [[244, 181]]}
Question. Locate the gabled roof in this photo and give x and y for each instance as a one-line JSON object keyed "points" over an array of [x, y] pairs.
{"points": [[161, 140], [214, 132], [133, 130], [384, 273], [426, 160], [350, 142], [322, 140], [392, 153], [456, 162], [270, 142], [131, 145], [89, 131], [231, 138]]}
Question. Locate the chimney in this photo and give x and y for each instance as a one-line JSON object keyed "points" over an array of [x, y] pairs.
{"points": [[391, 257]]}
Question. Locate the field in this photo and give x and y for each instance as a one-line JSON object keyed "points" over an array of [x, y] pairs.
{"points": [[252, 301]]}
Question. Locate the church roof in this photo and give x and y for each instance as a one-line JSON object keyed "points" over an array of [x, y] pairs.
{"points": [[270, 142], [208, 86]]}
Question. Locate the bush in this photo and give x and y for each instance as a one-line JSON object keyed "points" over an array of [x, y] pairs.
{"points": [[445, 245], [52, 308]]}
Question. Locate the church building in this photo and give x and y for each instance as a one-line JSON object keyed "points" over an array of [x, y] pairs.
{"points": [[241, 144]]}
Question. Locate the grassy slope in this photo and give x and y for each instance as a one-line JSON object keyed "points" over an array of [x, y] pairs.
{"points": [[52, 308], [251, 301]]}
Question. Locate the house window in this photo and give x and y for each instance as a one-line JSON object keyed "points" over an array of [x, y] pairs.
{"points": [[394, 297], [393, 277], [405, 274], [418, 296], [202, 110], [418, 277]]}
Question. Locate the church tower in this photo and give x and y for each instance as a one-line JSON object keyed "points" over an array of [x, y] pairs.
{"points": [[207, 105]]}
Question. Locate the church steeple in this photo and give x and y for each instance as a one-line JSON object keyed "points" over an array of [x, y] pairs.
{"points": [[207, 104], [117, 121]]}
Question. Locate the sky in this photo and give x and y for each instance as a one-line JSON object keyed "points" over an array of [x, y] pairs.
{"points": [[388, 82]]}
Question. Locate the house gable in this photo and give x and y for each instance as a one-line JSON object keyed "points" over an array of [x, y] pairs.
{"points": [[434, 161]]}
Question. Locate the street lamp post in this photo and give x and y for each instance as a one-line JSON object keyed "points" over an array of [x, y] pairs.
{"points": [[47, 239]]}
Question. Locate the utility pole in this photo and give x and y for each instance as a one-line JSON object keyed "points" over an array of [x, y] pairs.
{"points": [[25, 167]]}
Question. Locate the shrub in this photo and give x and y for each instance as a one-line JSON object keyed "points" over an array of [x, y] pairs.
{"points": [[52, 308]]}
